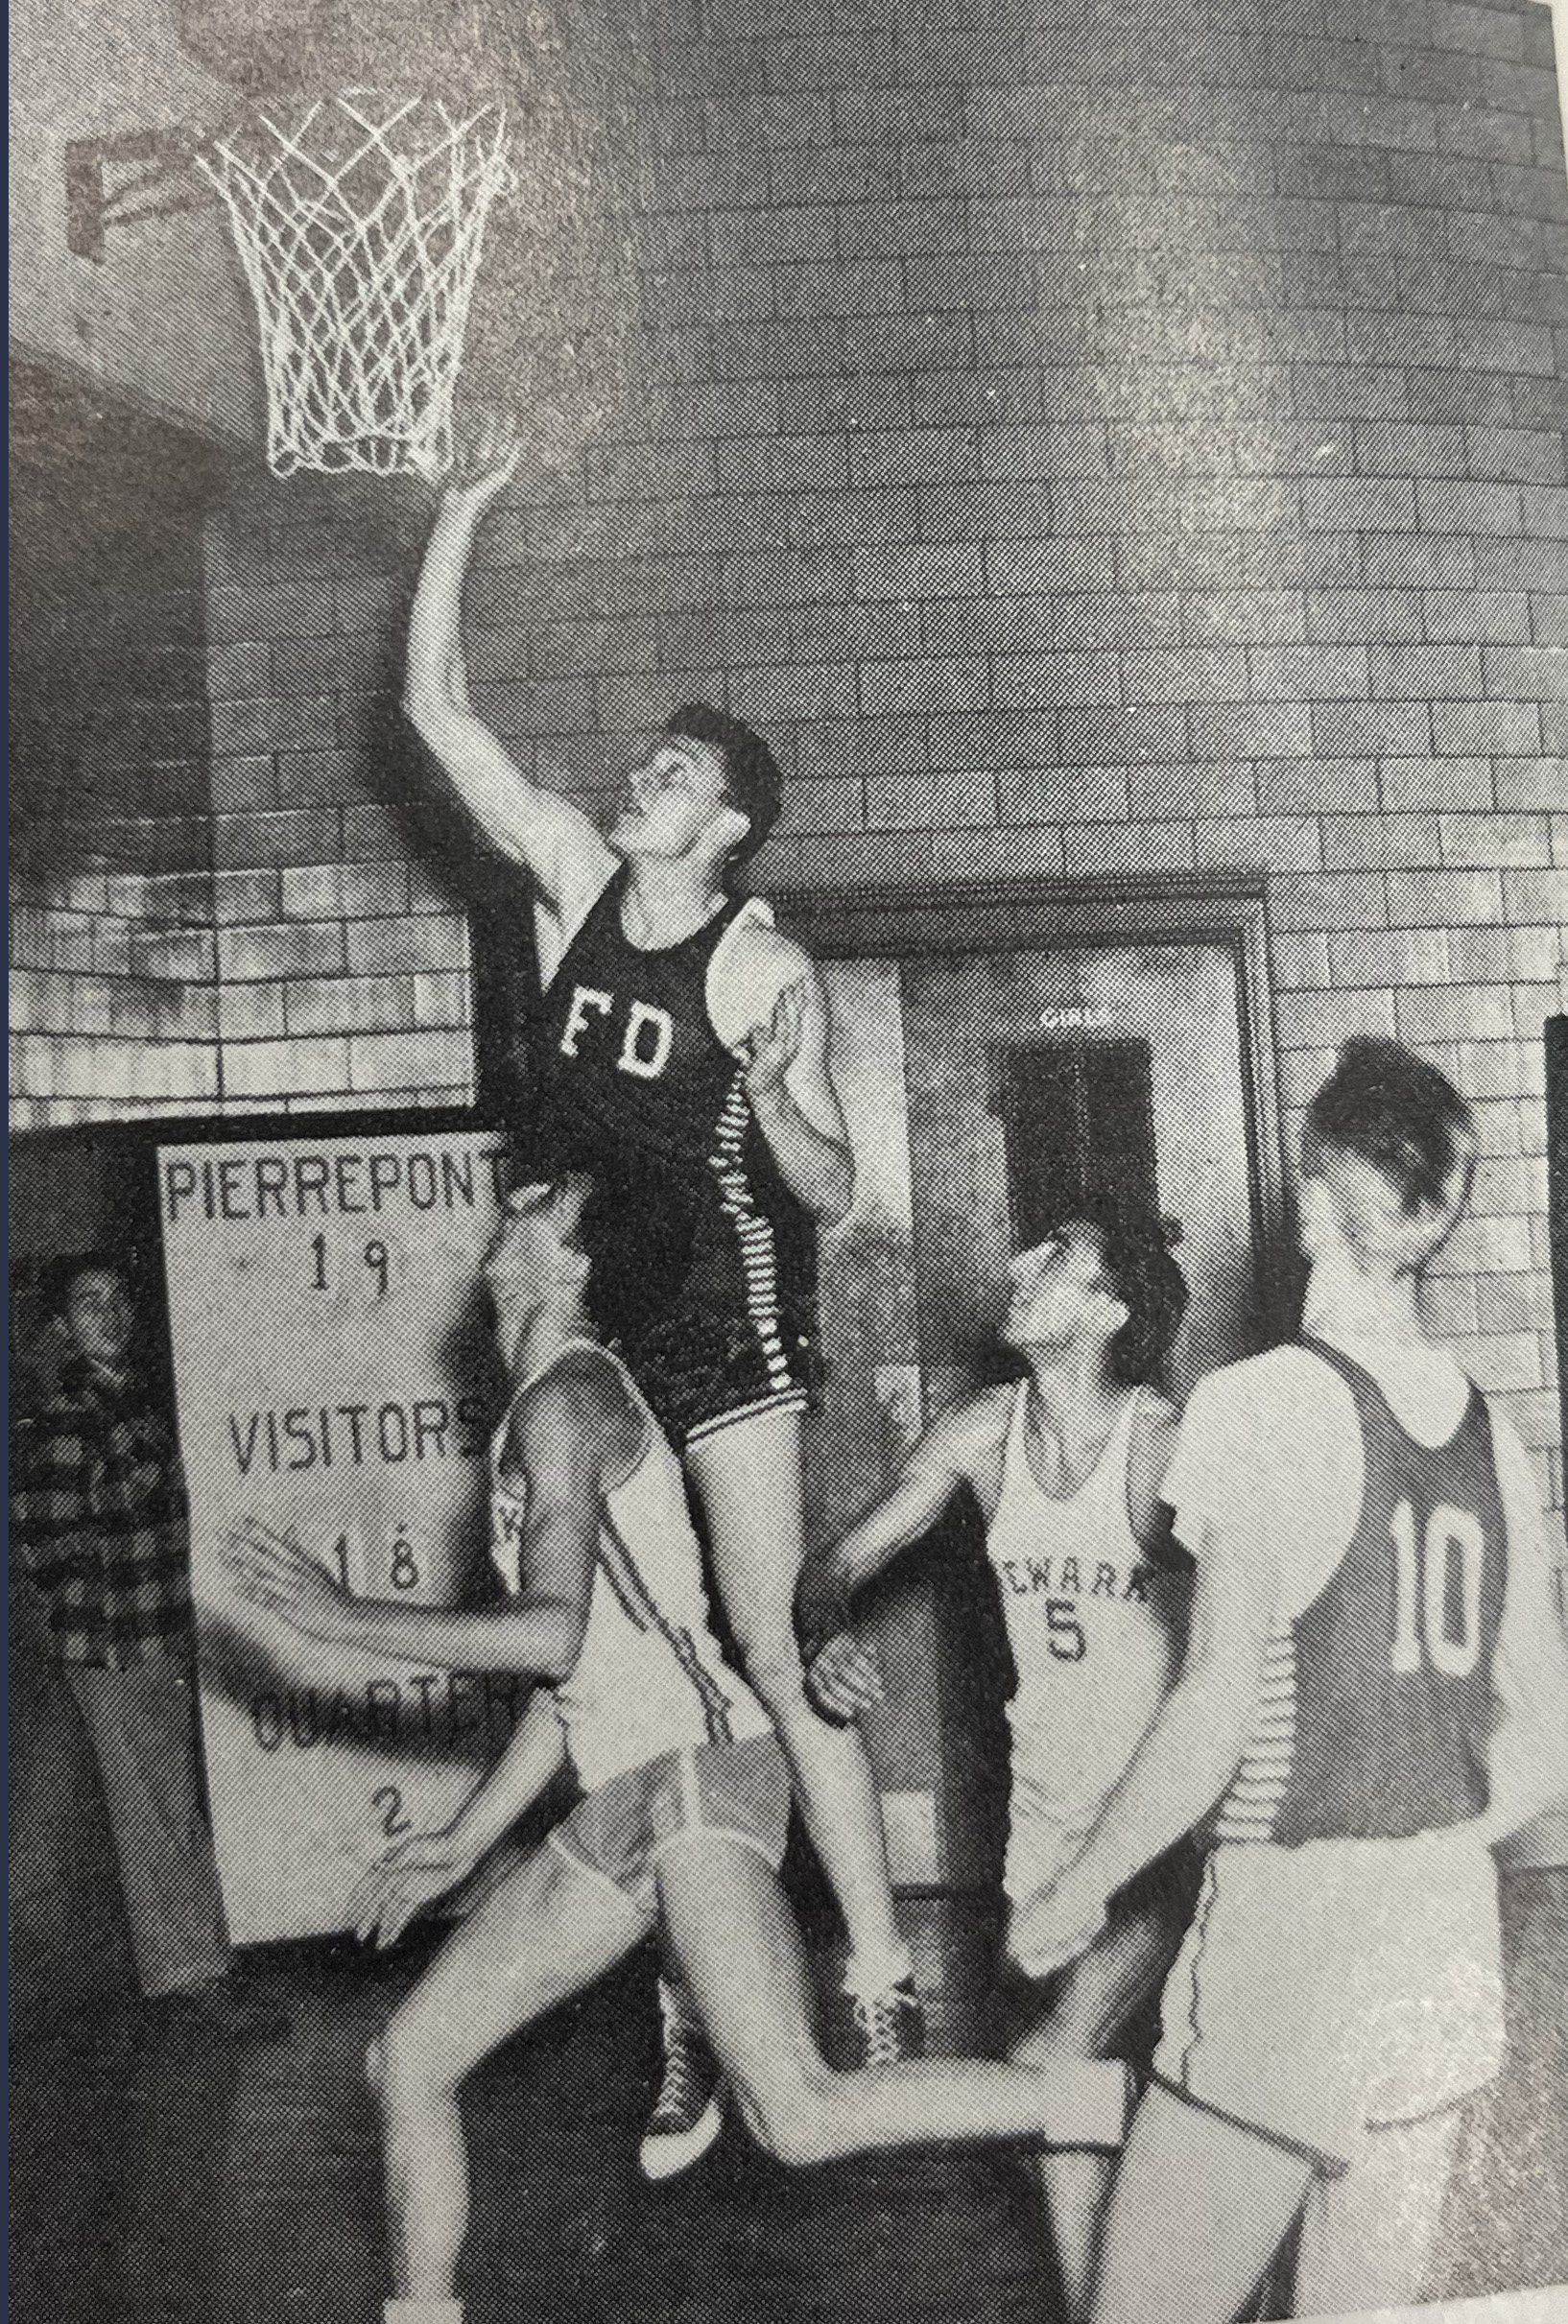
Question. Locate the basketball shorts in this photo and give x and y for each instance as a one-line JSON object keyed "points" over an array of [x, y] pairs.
{"points": [[1336, 1989], [738, 1337], [737, 1792]]}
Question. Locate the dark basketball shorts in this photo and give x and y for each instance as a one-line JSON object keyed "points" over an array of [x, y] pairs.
{"points": [[736, 1340], [735, 1791]]}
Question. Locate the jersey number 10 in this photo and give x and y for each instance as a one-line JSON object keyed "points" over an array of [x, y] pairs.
{"points": [[1423, 1590]]}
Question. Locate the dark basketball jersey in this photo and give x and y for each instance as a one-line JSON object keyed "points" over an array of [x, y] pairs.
{"points": [[1376, 1704], [633, 1085]]}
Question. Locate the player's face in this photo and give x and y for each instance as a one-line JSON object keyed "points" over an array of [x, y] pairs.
{"points": [[675, 797], [99, 1317], [536, 1251], [1060, 1291]]}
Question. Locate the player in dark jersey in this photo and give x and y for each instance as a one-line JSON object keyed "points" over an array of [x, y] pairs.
{"points": [[1375, 1690], [682, 1062]]}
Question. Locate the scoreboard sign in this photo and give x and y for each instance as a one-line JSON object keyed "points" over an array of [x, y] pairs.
{"points": [[334, 1377]]}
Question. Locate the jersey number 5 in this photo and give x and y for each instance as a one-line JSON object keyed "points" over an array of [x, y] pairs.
{"points": [[1424, 1592]]}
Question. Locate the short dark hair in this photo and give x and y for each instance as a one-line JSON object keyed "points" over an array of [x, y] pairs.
{"points": [[751, 772], [1135, 1252], [59, 1277], [1397, 1111]]}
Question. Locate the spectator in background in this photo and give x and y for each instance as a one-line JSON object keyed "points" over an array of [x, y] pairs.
{"points": [[99, 1521]]}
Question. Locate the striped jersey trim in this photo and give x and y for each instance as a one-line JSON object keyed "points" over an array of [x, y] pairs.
{"points": [[754, 1232], [1251, 1807]]}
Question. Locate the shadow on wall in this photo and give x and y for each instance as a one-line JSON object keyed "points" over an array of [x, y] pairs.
{"points": [[110, 735]]}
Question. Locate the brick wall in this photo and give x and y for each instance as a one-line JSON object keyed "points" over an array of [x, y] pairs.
{"points": [[343, 964], [113, 1006], [218, 903], [1085, 440], [1092, 446]]}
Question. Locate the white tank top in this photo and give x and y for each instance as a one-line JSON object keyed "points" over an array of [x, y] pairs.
{"points": [[649, 1677], [1090, 1622]]}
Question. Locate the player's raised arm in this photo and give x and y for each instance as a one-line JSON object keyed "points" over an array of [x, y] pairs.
{"points": [[786, 1038], [552, 840]]}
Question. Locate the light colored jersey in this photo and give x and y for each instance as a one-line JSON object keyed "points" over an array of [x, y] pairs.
{"points": [[1275, 1451], [649, 1677], [1090, 1622]]}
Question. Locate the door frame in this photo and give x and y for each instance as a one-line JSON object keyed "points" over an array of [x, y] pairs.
{"points": [[1227, 908]]}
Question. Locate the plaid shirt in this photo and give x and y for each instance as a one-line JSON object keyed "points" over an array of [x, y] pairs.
{"points": [[99, 1518]]}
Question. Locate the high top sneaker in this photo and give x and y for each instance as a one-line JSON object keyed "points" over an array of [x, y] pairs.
{"points": [[688, 2113], [891, 2023]]}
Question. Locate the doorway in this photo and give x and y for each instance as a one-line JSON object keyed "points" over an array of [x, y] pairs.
{"points": [[997, 1055]]}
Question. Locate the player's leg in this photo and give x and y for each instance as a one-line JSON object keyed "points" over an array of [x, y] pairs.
{"points": [[688, 2109], [1091, 2008], [747, 1475], [550, 1928], [741, 1953], [1199, 2208], [1367, 2238]]}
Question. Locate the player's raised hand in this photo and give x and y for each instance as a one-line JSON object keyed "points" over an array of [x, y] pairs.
{"points": [[771, 1049], [843, 1677], [487, 459], [271, 1570]]}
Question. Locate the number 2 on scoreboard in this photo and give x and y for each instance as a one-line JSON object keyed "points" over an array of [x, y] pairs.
{"points": [[394, 1820]]}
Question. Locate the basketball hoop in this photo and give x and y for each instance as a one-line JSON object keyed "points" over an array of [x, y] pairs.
{"points": [[360, 229]]}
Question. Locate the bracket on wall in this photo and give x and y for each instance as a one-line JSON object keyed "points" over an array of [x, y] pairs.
{"points": [[117, 180]]}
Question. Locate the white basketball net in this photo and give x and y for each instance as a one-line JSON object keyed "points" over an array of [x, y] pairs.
{"points": [[360, 229]]}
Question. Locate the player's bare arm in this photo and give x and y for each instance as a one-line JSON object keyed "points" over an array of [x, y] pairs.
{"points": [[569, 1437], [963, 1446], [415, 1870], [1184, 1762], [550, 837], [771, 1006]]}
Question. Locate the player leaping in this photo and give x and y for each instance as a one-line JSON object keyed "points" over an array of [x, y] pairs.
{"points": [[682, 1062], [1376, 1687], [687, 1795]]}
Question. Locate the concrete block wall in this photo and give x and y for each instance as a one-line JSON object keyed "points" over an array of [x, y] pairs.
{"points": [[1089, 445], [112, 1005], [1086, 440], [220, 908], [342, 970]]}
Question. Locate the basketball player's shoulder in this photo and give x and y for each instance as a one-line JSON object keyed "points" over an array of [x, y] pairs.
{"points": [[1268, 1382], [579, 1413], [968, 1435], [1270, 1415], [760, 958]]}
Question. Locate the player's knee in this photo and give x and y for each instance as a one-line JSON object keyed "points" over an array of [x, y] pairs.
{"points": [[406, 2066], [788, 2114]]}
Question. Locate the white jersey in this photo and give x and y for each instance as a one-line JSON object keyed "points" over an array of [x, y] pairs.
{"points": [[1090, 1622], [649, 1677]]}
